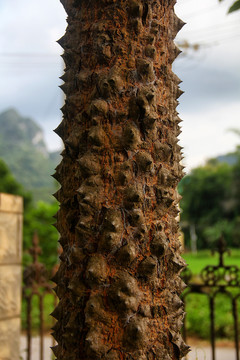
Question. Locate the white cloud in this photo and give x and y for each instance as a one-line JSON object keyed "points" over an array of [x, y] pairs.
{"points": [[206, 133], [211, 79], [28, 25]]}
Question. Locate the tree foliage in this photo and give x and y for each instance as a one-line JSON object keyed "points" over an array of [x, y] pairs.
{"points": [[211, 201], [37, 217], [40, 219], [9, 185], [235, 6]]}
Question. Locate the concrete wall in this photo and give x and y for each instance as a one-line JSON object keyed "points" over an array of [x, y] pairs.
{"points": [[11, 214]]}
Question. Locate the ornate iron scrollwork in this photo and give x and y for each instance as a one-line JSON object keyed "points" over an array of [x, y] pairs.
{"points": [[221, 274]]}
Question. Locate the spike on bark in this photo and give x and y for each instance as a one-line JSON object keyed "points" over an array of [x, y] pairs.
{"points": [[57, 195], [176, 79], [55, 278], [61, 41], [55, 289], [64, 87], [177, 25], [56, 350], [56, 176], [179, 92], [57, 312], [63, 109], [62, 241], [56, 328], [60, 130], [67, 76], [174, 52]]}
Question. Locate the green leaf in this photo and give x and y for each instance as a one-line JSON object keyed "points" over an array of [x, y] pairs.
{"points": [[235, 6]]}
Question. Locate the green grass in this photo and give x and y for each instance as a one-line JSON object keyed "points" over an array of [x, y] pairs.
{"points": [[197, 262], [198, 317], [48, 306]]}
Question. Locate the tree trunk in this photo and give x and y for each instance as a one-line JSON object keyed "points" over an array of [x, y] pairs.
{"points": [[118, 282]]}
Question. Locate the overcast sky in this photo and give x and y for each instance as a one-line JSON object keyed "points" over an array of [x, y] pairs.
{"points": [[30, 66]]}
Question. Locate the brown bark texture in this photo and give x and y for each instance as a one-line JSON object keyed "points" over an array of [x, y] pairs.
{"points": [[118, 281]]}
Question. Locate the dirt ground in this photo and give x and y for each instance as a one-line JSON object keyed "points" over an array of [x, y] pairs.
{"points": [[201, 350]]}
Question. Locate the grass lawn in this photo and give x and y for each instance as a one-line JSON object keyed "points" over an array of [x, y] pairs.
{"points": [[197, 262], [48, 307]]}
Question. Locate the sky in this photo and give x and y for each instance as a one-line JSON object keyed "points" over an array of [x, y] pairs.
{"points": [[30, 66]]}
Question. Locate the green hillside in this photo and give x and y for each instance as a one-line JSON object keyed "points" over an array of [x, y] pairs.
{"points": [[23, 149]]}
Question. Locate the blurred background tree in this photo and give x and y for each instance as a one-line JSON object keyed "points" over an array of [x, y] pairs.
{"points": [[37, 217], [211, 201], [9, 185], [40, 219]]}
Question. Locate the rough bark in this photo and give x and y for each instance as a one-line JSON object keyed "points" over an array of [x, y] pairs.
{"points": [[118, 282]]}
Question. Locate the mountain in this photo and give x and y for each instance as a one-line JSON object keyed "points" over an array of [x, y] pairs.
{"points": [[230, 159], [23, 149]]}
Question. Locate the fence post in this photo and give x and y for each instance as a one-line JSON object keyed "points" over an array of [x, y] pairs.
{"points": [[212, 325], [236, 332], [11, 212]]}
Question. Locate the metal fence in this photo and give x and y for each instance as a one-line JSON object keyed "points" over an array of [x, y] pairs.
{"points": [[36, 284], [215, 280]]}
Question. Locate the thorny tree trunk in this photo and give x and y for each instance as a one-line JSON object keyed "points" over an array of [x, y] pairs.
{"points": [[118, 282]]}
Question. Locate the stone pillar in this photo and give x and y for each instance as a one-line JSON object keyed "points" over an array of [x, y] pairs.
{"points": [[11, 214]]}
